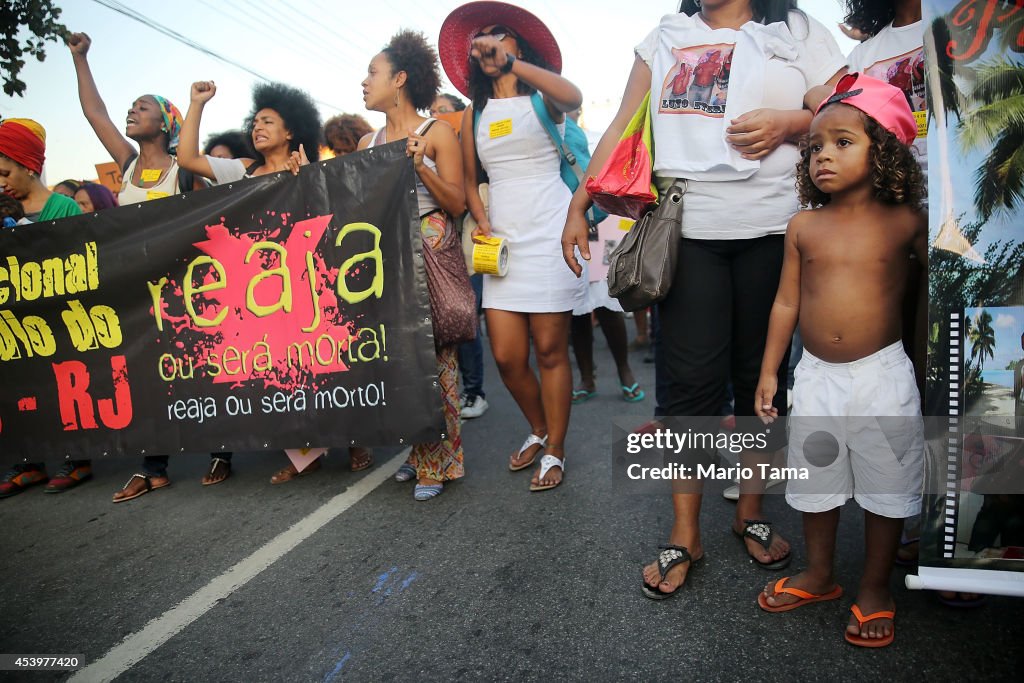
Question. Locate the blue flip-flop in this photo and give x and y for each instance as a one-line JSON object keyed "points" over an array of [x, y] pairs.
{"points": [[427, 491], [633, 393], [582, 396], [405, 473]]}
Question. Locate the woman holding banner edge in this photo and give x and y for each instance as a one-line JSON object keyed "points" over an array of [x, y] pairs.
{"points": [[401, 80], [152, 172], [727, 272]]}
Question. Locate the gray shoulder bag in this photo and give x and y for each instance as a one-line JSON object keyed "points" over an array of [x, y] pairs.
{"points": [[640, 269]]}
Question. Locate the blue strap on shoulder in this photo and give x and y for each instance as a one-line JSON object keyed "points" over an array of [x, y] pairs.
{"points": [[572, 174]]}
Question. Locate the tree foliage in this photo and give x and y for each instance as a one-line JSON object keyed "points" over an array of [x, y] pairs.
{"points": [[39, 17]]}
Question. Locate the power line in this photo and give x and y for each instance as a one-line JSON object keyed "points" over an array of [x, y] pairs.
{"points": [[142, 19], [313, 51], [325, 36]]}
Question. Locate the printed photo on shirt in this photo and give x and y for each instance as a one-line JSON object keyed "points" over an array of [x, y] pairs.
{"points": [[905, 72], [699, 82]]}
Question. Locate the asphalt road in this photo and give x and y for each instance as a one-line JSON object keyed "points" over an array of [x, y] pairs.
{"points": [[486, 582]]}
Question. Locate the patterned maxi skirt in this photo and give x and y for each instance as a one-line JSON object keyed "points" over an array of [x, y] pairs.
{"points": [[442, 460]]}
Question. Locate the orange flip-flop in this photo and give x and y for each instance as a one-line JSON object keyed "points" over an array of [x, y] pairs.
{"points": [[805, 597], [860, 641]]}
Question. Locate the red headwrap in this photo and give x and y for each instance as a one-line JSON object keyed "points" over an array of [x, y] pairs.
{"points": [[22, 145]]}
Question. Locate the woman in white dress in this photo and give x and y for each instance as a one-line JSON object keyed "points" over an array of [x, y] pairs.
{"points": [[511, 56]]}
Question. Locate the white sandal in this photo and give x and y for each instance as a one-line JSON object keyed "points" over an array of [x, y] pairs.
{"points": [[546, 463], [531, 441]]}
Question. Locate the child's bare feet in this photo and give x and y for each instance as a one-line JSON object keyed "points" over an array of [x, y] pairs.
{"points": [[819, 587], [870, 601]]}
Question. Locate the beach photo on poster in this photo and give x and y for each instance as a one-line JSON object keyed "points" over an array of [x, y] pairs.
{"points": [[993, 353]]}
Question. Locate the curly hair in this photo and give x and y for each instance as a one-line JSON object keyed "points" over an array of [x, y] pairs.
{"points": [[234, 140], [481, 86], [410, 52], [346, 129], [870, 16], [765, 11], [297, 110], [896, 176]]}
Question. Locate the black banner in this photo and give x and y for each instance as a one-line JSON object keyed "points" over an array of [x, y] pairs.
{"points": [[275, 312]]}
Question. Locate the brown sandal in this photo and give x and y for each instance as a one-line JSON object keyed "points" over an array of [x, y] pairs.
{"points": [[148, 486], [361, 458], [286, 474], [217, 464]]}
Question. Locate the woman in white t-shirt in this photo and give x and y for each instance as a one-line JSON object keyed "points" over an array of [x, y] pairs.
{"points": [[893, 53], [284, 129], [734, 143]]}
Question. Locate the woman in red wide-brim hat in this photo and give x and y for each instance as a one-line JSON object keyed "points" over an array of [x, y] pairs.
{"points": [[499, 55]]}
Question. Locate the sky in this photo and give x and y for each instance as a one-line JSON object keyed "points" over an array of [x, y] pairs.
{"points": [[321, 46]]}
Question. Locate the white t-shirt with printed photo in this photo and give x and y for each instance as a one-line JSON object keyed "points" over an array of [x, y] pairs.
{"points": [[702, 78], [895, 55]]}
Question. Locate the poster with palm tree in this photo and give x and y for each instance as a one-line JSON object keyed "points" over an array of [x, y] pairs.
{"points": [[974, 71]]}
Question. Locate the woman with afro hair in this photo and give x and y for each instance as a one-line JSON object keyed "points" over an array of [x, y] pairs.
{"points": [[403, 79], [284, 127]]}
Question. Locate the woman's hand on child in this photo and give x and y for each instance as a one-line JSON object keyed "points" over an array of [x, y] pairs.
{"points": [[758, 133], [489, 53], [763, 397]]}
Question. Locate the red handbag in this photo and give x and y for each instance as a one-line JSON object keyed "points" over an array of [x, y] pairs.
{"points": [[624, 186]]}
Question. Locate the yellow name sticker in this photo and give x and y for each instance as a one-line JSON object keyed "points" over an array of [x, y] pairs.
{"points": [[154, 194], [625, 224], [500, 129], [922, 123], [150, 175]]}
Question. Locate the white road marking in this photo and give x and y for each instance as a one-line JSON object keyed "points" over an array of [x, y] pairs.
{"points": [[138, 645]]}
